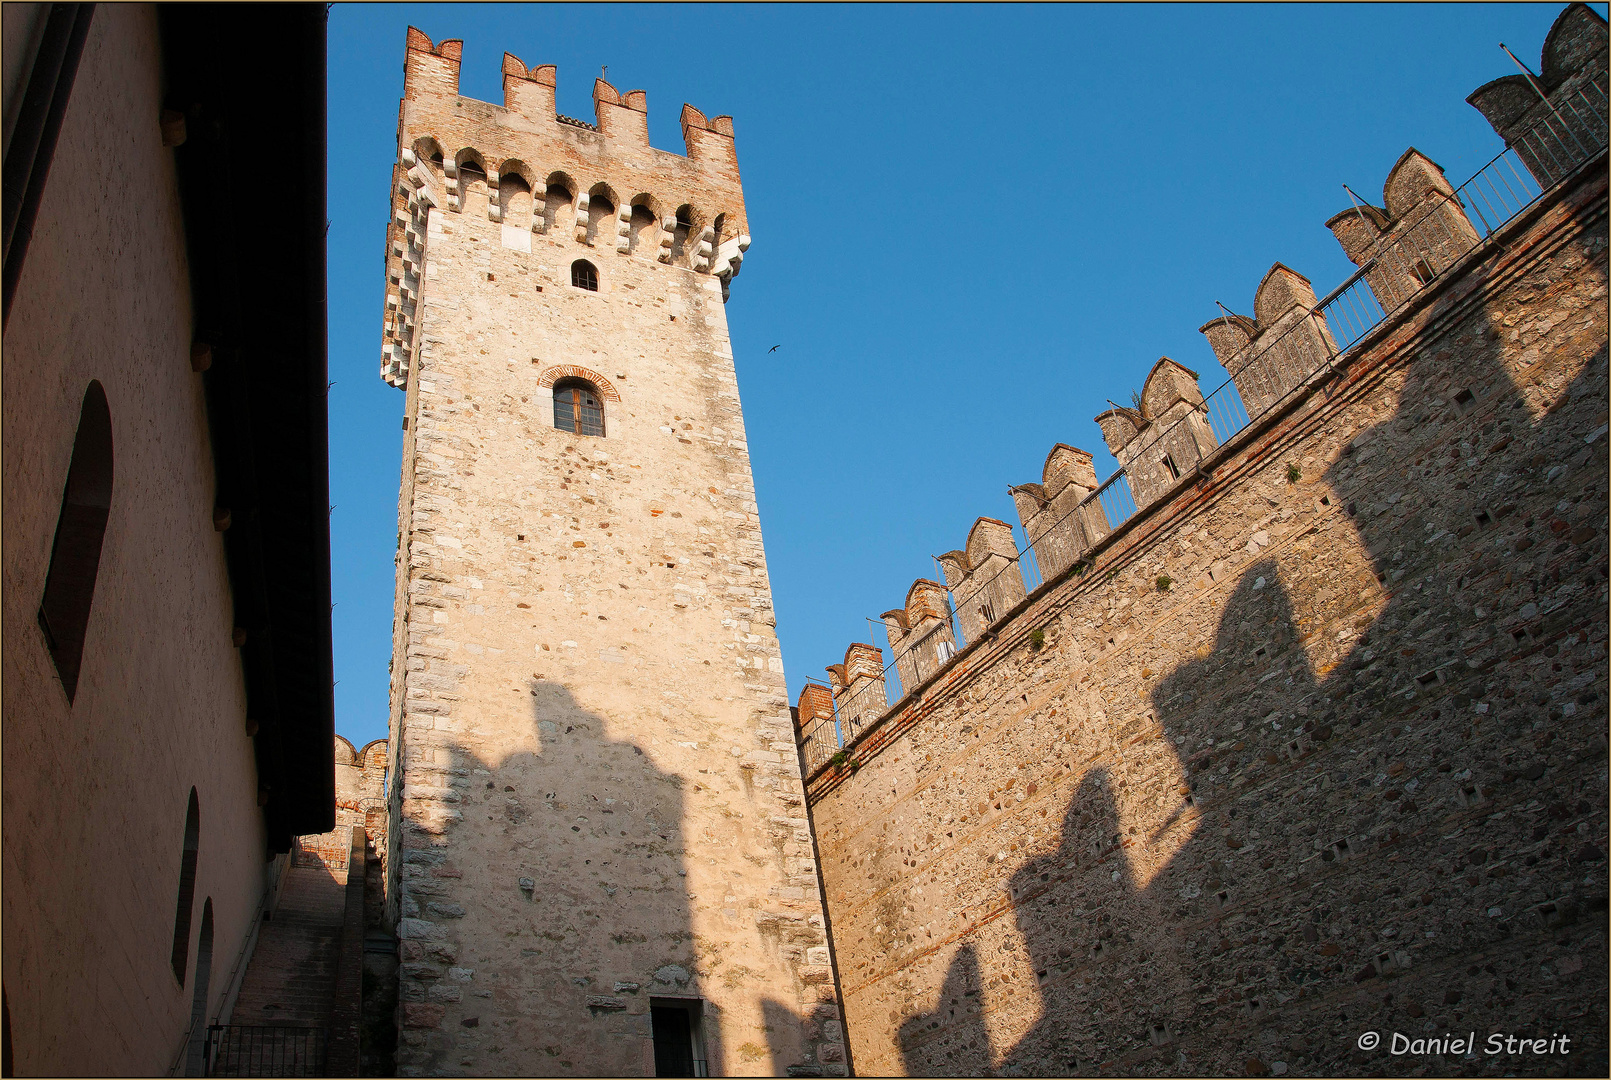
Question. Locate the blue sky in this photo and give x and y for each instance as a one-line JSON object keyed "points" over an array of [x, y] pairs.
{"points": [[972, 226]]}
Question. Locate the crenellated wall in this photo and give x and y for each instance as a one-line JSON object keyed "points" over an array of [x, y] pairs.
{"points": [[1158, 443], [1312, 744], [1543, 116], [1058, 514], [1418, 232], [858, 687], [984, 578], [537, 173]]}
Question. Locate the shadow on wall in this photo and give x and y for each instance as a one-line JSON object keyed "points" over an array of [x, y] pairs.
{"points": [[1328, 878], [779, 1053], [583, 850]]}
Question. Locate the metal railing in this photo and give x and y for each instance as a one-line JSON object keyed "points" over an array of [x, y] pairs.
{"points": [[1409, 256], [240, 1050]]}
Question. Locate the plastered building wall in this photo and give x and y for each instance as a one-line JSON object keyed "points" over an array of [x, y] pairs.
{"points": [[1346, 773], [597, 798], [96, 791]]}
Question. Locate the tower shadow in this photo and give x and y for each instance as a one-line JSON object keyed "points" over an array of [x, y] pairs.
{"points": [[565, 882], [952, 1040]]}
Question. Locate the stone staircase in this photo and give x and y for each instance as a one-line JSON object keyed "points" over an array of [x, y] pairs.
{"points": [[291, 979]]}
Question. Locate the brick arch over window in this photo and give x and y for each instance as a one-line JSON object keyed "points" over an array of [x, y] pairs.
{"points": [[552, 375]]}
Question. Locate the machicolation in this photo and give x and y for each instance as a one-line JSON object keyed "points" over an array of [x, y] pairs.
{"points": [[602, 182]]}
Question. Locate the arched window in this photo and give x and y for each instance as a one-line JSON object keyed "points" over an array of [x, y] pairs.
{"points": [[578, 407], [196, 1051], [187, 889], [75, 556], [584, 275]]}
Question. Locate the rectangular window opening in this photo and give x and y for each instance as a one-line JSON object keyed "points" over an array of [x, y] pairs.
{"points": [[679, 1045], [1169, 463]]}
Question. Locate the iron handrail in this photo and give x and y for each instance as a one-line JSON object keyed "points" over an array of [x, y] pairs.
{"points": [[266, 1050]]}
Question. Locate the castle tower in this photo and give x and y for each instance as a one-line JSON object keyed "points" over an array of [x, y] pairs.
{"points": [[600, 861]]}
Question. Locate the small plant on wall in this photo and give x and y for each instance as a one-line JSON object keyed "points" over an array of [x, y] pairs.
{"points": [[1294, 474], [1164, 582], [1037, 639], [839, 760]]}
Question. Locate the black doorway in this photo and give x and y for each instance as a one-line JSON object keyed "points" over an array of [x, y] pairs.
{"points": [[678, 1048]]}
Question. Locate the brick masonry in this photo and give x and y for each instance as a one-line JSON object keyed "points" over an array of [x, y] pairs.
{"points": [[1346, 773], [291, 979], [307, 967], [598, 798]]}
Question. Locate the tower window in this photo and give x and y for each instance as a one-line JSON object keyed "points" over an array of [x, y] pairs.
{"points": [[1169, 463], [584, 275], [75, 555], [187, 889], [578, 407]]}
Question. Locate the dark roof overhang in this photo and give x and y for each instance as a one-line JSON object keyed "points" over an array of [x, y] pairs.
{"points": [[250, 82]]}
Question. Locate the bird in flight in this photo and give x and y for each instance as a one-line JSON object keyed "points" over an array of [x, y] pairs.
{"points": [[774, 348]]}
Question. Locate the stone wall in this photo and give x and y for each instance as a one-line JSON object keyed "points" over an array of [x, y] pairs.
{"points": [[1344, 772], [597, 798]]}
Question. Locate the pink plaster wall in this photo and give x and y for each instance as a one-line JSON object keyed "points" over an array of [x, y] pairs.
{"points": [[95, 792]]}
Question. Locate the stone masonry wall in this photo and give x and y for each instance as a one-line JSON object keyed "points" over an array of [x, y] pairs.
{"points": [[598, 800], [1346, 774]]}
